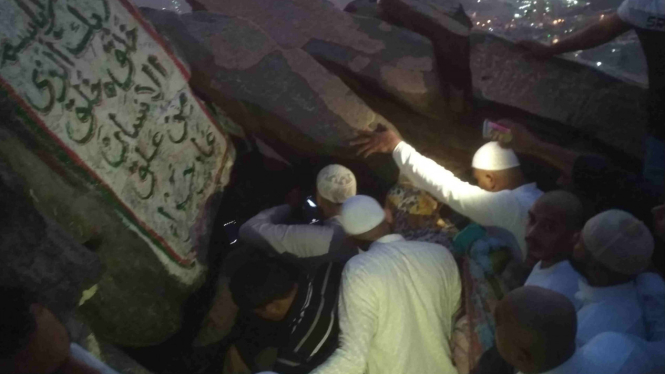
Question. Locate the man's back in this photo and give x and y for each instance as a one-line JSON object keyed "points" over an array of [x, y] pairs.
{"points": [[397, 306], [613, 309]]}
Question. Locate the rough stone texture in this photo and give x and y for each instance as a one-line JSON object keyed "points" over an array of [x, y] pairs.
{"points": [[447, 26], [366, 8], [137, 301], [407, 68], [282, 96], [116, 359], [35, 253], [572, 94], [373, 51]]}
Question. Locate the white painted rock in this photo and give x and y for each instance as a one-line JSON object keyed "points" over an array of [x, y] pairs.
{"points": [[139, 160]]}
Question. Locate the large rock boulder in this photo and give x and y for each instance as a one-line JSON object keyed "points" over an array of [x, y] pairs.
{"points": [[395, 61], [280, 95], [37, 254], [447, 26], [575, 95], [109, 142]]}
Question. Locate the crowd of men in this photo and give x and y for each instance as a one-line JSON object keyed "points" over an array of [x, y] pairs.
{"points": [[592, 301], [365, 300]]}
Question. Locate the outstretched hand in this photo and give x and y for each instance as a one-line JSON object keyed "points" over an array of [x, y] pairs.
{"points": [[380, 141], [536, 48], [522, 139]]}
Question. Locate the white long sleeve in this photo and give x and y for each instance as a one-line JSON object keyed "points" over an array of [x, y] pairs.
{"points": [[506, 209], [266, 230], [358, 305], [651, 290]]}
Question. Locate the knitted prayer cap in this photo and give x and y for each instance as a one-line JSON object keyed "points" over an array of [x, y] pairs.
{"points": [[619, 241]]}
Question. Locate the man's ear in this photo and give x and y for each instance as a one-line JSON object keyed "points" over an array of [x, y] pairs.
{"points": [[491, 180], [389, 215], [574, 238], [523, 357]]}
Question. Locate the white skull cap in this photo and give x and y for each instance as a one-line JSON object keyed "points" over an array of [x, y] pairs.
{"points": [[360, 214], [492, 156], [619, 241], [336, 183]]}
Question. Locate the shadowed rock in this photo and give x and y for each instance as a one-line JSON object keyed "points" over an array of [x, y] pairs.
{"points": [[447, 26], [397, 62], [280, 95], [570, 93]]}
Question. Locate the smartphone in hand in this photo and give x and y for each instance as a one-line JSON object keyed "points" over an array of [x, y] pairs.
{"points": [[494, 131]]}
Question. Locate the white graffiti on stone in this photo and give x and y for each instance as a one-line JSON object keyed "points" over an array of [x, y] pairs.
{"points": [[95, 79]]}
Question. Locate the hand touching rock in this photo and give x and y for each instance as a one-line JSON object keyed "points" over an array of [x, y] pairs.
{"points": [[380, 141]]}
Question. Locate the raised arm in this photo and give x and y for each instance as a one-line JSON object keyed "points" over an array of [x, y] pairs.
{"points": [[596, 34], [267, 231], [484, 207], [525, 142]]}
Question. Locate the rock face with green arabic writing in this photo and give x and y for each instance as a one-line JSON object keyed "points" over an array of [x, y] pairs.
{"points": [[98, 95]]}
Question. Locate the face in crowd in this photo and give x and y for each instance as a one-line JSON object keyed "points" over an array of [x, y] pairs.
{"points": [[554, 220]]}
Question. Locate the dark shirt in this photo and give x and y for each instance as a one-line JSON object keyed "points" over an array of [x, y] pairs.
{"points": [[648, 19], [309, 333], [608, 186]]}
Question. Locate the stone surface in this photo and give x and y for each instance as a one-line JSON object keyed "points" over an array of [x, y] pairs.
{"points": [[365, 8], [283, 96], [111, 144], [572, 94], [35, 253], [112, 356], [447, 26], [396, 61], [136, 300]]}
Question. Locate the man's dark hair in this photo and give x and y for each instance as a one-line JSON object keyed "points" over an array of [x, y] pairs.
{"points": [[17, 323], [258, 283]]}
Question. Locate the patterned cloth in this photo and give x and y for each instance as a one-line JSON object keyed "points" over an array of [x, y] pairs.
{"points": [[416, 216]]}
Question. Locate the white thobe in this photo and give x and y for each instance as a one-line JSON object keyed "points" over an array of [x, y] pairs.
{"points": [[508, 209], [609, 353], [651, 289], [396, 310], [560, 277], [614, 308], [267, 230]]}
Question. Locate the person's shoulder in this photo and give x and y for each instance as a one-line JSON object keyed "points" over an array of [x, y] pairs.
{"points": [[644, 14], [614, 350]]}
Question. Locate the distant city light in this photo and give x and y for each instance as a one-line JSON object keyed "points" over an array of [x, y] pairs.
{"points": [[555, 41], [517, 16], [477, 23], [489, 21], [614, 50], [598, 63], [602, 16]]}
